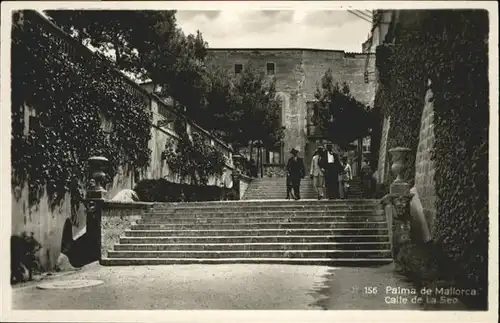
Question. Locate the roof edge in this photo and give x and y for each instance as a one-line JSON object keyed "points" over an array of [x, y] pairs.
{"points": [[273, 49]]}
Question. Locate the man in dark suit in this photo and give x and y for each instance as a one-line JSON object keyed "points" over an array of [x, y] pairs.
{"points": [[331, 167], [295, 172]]}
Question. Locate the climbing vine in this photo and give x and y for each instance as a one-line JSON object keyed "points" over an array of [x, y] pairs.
{"points": [[70, 96], [452, 52], [193, 157], [402, 91], [461, 124]]}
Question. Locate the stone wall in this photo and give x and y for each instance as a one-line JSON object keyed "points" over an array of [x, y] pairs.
{"points": [[297, 72], [46, 223], [244, 183], [425, 169], [116, 218]]}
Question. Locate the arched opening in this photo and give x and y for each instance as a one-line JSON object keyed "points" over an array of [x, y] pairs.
{"points": [[274, 156]]}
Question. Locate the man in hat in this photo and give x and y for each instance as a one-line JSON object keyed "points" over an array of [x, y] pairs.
{"points": [[332, 168], [295, 172], [317, 174]]}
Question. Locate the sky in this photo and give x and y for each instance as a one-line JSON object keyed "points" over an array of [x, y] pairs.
{"points": [[326, 29]]}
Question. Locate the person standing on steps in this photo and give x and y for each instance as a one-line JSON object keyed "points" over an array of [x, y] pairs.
{"points": [[289, 192], [347, 177], [295, 171], [366, 176], [340, 179], [317, 174], [331, 167]]}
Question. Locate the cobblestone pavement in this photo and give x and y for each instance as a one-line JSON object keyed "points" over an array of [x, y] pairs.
{"points": [[221, 287]]}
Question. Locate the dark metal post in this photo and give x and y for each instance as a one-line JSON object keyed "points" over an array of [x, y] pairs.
{"points": [[95, 202]]}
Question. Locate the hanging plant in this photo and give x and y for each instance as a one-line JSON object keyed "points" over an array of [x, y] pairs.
{"points": [[193, 158]]}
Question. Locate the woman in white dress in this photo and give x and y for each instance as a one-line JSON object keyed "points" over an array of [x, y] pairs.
{"points": [[346, 177]]}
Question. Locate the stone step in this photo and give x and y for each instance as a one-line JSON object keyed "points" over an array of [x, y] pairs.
{"points": [[254, 239], [289, 261], [253, 246], [273, 195], [255, 232], [278, 202], [377, 253], [265, 213], [257, 226], [255, 219], [283, 187], [279, 194], [276, 194], [276, 191], [277, 213], [284, 208], [283, 190], [283, 196]]}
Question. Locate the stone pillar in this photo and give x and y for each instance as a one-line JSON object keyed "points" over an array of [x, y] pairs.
{"points": [[397, 202], [95, 201]]}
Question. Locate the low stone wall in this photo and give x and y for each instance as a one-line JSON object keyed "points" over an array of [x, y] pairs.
{"points": [[116, 218], [244, 183]]}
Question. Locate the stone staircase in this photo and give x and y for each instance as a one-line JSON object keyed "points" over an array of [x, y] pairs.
{"points": [[355, 188], [274, 188], [336, 232]]}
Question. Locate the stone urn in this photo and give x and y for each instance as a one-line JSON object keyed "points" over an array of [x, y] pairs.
{"points": [[97, 176], [399, 156]]}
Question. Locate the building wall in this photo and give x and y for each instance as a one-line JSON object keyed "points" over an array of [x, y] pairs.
{"points": [[425, 168], [297, 73]]}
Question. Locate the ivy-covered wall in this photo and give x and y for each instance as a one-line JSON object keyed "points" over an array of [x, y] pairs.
{"points": [[449, 48], [67, 105]]}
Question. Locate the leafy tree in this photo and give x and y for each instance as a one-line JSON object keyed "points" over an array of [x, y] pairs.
{"points": [[148, 44], [244, 108], [339, 114]]}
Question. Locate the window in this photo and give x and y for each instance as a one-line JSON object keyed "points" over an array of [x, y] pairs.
{"points": [[273, 156], [238, 68], [270, 67]]}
